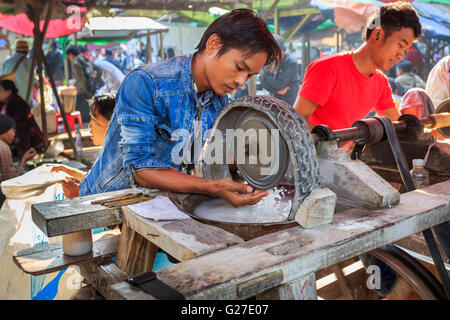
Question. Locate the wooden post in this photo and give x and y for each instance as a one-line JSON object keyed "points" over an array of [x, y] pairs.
{"points": [[135, 253], [161, 49], [269, 12], [301, 289], [148, 48], [38, 46]]}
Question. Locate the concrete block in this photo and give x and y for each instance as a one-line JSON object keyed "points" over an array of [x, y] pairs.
{"points": [[354, 180], [317, 209]]}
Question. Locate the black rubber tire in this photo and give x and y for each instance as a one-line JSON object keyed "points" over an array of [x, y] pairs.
{"points": [[294, 131], [419, 277]]}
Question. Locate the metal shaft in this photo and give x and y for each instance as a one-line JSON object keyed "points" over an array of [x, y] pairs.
{"points": [[432, 121]]}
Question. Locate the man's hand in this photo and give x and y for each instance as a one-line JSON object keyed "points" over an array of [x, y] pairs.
{"points": [[28, 155], [283, 91], [238, 194], [70, 171], [70, 187]]}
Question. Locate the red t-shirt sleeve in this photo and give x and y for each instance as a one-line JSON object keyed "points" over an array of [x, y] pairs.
{"points": [[318, 82], [386, 100]]}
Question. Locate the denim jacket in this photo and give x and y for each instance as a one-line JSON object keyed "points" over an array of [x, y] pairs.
{"points": [[154, 103]]}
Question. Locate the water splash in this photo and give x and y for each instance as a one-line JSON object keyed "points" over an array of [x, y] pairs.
{"points": [[273, 208]]}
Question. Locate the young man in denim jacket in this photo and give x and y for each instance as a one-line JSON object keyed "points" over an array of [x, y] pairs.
{"points": [[156, 101]]}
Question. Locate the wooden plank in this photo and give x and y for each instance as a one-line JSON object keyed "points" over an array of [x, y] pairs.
{"points": [[103, 276], [135, 253], [182, 239], [50, 257], [59, 217], [125, 291], [302, 289], [353, 232], [259, 284]]}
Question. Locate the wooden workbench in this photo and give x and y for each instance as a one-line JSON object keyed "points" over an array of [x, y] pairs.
{"points": [[216, 264]]}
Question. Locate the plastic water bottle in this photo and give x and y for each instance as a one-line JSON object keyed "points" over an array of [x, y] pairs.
{"points": [[78, 140], [419, 174], [60, 125]]}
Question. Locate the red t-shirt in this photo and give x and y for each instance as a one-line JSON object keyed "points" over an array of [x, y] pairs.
{"points": [[342, 93]]}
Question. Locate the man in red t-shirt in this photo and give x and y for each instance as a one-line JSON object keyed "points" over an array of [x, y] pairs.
{"points": [[340, 89]]}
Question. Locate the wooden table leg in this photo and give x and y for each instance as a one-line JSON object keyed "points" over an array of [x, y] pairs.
{"points": [[135, 253], [301, 289]]}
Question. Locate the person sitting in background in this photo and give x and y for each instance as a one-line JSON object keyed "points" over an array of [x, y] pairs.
{"points": [[101, 109], [28, 133], [417, 102], [7, 132], [8, 171], [406, 77]]}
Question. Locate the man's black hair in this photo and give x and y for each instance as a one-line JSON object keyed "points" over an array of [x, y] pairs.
{"points": [[9, 85], [73, 50], [394, 16], [82, 48], [108, 52], [242, 29], [103, 104]]}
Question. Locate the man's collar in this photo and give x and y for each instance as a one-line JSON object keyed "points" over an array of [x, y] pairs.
{"points": [[203, 97]]}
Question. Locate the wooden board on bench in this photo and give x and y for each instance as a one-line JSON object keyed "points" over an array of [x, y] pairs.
{"points": [[183, 239], [50, 257], [59, 217]]}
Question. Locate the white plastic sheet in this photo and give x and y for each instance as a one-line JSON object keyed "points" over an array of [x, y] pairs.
{"points": [[17, 232]]}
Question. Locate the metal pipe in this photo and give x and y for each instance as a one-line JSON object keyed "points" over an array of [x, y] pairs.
{"points": [[431, 121]]}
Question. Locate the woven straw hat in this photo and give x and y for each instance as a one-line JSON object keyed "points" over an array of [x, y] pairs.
{"points": [[22, 45]]}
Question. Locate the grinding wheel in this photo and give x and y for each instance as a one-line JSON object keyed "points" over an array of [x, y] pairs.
{"points": [[262, 175], [295, 149]]}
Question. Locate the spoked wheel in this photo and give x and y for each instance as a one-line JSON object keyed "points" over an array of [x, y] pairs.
{"points": [[414, 281]]}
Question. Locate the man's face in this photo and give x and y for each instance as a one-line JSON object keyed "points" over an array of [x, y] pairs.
{"points": [[4, 94], [8, 136], [98, 127], [391, 50], [232, 69]]}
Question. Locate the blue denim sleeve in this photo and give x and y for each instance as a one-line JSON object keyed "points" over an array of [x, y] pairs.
{"points": [[137, 116]]}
